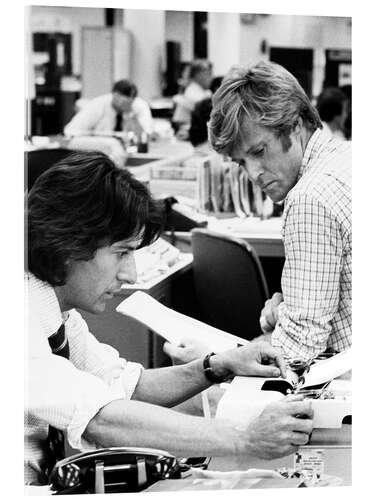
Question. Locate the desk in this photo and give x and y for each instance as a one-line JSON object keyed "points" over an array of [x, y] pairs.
{"points": [[337, 457], [263, 235], [132, 339]]}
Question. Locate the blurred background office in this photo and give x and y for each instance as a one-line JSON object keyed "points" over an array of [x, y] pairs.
{"points": [[78, 53]]}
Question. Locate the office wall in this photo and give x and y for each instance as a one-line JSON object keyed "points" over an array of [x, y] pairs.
{"points": [[179, 28], [148, 29], [318, 33], [66, 20], [223, 41]]}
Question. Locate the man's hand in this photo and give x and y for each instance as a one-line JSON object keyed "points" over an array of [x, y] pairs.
{"points": [[254, 359], [188, 350], [281, 428], [269, 314]]}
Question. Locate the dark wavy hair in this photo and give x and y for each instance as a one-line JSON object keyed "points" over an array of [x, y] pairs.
{"points": [[330, 103], [80, 204], [126, 88]]}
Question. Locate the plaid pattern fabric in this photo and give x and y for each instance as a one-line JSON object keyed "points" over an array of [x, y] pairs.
{"points": [[317, 234]]}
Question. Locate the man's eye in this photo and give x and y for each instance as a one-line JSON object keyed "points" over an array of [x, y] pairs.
{"points": [[258, 152], [123, 254]]}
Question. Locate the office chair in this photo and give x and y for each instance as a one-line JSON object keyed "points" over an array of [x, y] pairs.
{"points": [[40, 160], [229, 282]]}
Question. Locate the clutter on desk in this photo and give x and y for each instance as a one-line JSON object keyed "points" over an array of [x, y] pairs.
{"points": [[215, 185], [155, 259], [201, 480]]}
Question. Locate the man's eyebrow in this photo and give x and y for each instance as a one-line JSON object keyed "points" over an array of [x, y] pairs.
{"points": [[126, 246], [254, 147]]}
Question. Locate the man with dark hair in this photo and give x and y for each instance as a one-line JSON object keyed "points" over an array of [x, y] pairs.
{"points": [[198, 134], [121, 110], [85, 219], [262, 118], [332, 105]]}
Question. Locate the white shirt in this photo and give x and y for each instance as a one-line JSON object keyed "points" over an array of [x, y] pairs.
{"points": [[98, 115], [186, 103], [317, 233], [63, 393]]}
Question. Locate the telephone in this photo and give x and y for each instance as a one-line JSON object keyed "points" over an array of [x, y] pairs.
{"points": [[113, 470]]}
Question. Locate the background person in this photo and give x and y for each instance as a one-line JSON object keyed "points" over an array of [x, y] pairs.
{"points": [[85, 219], [198, 88], [121, 110], [263, 119], [332, 105], [198, 133]]}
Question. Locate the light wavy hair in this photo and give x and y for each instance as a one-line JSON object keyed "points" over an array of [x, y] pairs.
{"points": [[266, 94]]}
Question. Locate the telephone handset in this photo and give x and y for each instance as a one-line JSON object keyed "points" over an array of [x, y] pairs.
{"points": [[113, 470]]}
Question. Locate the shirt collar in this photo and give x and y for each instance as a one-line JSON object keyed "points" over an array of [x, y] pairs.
{"points": [[42, 298], [316, 142]]}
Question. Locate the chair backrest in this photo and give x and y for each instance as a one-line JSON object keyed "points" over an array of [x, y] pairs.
{"points": [[229, 282], [40, 160]]}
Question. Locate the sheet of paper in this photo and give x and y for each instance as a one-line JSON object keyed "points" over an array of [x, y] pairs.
{"points": [[329, 368], [174, 326], [244, 399]]}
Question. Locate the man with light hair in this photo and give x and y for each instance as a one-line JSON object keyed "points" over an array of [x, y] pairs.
{"points": [[263, 119]]}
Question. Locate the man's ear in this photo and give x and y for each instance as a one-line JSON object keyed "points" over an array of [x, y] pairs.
{"points": [[298, 126]]}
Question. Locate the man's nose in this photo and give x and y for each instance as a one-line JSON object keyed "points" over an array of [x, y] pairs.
{"points": [[128, 271], [253, 169]]}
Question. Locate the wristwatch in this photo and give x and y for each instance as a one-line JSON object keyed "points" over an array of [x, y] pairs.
{"points": [[210, 374]]}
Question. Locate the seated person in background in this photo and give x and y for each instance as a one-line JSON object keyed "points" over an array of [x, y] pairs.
{"points": [[347, 90], [197, 89], [85, 219], [198, 134], [262, 118], [119, 111], [332, 106]]}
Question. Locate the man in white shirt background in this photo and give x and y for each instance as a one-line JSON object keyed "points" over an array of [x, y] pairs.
{"points": [[121, 110]]}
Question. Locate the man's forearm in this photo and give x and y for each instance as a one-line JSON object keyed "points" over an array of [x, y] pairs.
{"points": [[172, 385], [134, 423]]}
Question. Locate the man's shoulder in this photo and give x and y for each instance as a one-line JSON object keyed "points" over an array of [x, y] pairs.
{"points": [[140, 104], [328, 175], [100, 101]]}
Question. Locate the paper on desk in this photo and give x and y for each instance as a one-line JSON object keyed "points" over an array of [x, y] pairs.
{"points": [[329, 368], [174, 326]]}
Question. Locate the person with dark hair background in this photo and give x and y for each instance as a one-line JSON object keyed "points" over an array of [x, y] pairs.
{"points": [[198, 133], [118, 111], [86, 217], [332, 106]]}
